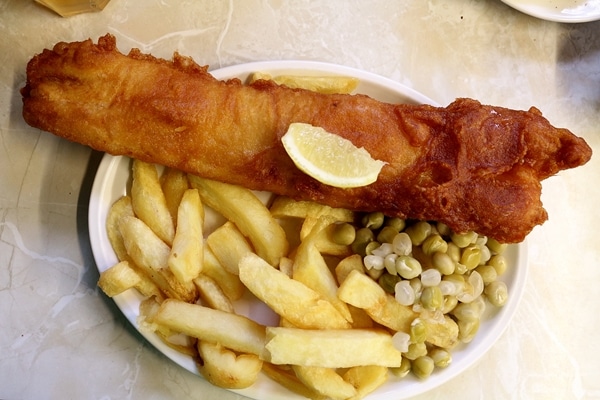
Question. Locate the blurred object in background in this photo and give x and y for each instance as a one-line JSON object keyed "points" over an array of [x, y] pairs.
{"points": [[67, 8]]}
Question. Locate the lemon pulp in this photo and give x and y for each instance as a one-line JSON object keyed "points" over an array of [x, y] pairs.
{"points": [[329, 158]]}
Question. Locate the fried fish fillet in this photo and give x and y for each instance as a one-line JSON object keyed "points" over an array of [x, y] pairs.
{"points": [[471, 166]]}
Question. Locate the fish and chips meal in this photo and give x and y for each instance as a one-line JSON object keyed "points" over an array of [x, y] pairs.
{"points": [[380, 245]]}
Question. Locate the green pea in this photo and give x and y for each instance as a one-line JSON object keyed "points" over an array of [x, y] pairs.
{"points": [[498, 261], [418, 331], [388, 282], [453, 251], [432, 297], [466, 312], [416, 285], [416, 350], [422, 367], [467, 330], [402, 244], [363, 237], [389, 262], [470, 257], [495, 246], [486, 254], [488, 273], [397, 223], [386, 234], [434, 243], [408, 267], [403, 369], [343, 234], [449, 303], [462, 240], [441, 357], [455, 278], [372, 246], [418, 232], [443, 229], [375, 274], [460, 269], [373, 220], [496, 293], [481, 240], [443, 263]]}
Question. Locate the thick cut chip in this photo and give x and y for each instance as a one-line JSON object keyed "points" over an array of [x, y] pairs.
{"points": [[118, 278], [321, 84], [360, 318], [347, 265], [248, 213], [285, 207], [286, 265], [212, 294], [290, 299], [329, 158], [120, 208], [230, 283], [125, 275], [175, 340], [224, 368], [366, 378], [186, 257], [233, 331], [70, 8], [150, 254], [322, 231], [326, 244], [311, 269], [287, 378], [174, 183], [229, 245], [331, 348], [143, 245], [311, 225], [444, 335], [149, 203], [363, 292], [325, 381]]}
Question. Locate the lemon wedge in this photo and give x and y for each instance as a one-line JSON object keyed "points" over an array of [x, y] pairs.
{"points": [[330, 158]]}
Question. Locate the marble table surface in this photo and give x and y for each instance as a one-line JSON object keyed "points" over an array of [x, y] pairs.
{"points": [[61, 338]]}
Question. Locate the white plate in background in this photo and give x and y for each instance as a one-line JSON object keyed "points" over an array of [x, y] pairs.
{"points": [[570, 11]]}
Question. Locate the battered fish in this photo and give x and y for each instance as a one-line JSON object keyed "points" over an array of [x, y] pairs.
{"points": [[471, 166]]}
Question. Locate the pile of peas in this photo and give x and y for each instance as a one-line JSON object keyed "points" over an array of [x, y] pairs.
{"points": [[436, 272]]}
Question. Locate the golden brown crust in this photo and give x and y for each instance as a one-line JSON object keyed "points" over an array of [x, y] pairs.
{"points": [[472, 166]]}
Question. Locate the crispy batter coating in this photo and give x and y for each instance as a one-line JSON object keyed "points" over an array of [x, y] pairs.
{"points": [[471, 166]]}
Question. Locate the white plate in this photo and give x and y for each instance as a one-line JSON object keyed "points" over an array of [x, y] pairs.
{"points": [[559, 10], [112, 179]]}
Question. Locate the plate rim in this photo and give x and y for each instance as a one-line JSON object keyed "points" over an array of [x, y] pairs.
{"points": [[104, 256], [548, 14]]}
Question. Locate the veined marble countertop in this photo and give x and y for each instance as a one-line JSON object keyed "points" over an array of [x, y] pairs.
{"points": [[61, 338]]}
